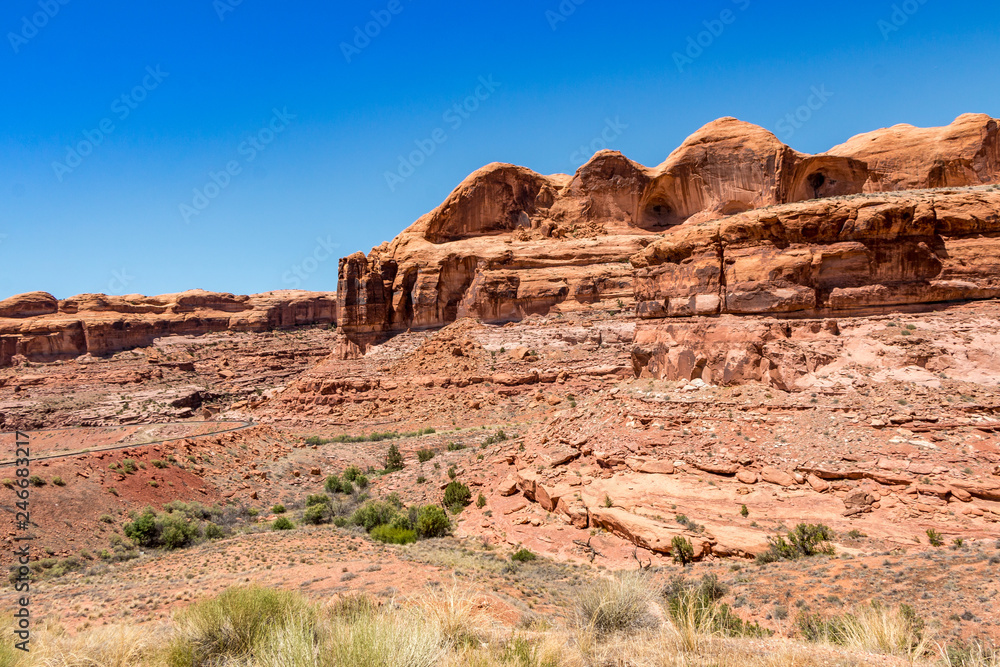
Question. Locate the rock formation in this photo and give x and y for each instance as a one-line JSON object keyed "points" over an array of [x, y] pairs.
{"points": [[40, 328], [509, 242]]}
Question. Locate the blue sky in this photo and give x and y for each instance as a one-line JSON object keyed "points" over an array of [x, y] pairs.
{"points": [[251, 148]]}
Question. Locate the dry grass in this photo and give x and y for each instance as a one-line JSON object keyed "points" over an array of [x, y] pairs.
{"points": [[622, 624], [623, 603]]}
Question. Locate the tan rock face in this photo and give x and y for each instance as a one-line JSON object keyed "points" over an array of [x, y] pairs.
{"points": [[40, 328], [509, 242]]}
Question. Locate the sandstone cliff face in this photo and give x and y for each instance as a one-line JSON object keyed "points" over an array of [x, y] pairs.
{"points": [[830, 255], [509, 242], [40, 328]]}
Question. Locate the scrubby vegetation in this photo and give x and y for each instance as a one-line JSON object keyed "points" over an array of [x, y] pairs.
{"points": [[181, 524], [371, 437], [804, 541]]}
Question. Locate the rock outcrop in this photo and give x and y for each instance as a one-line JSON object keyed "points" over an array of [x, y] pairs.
{"points": [[40, 328], [509, 242], [825, 256]]}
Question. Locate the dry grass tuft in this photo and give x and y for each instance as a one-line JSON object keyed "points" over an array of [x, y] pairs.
{"points": [[623, 603]]}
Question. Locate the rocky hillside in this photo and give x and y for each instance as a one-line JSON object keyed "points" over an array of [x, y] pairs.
{"points": [[37, 327]]}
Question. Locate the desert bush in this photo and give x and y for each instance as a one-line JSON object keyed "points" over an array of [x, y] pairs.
{"points": [[522, 555], [158, 463], [351, 473], [425, 455], [58, 481], [620, 604], [804, 541], [213, 531], [431, 521], [934, 538], [282, 523], [681, 550], [481, 501], [316, 514], [393, 534], [393, 459], [361, 481], [317, 499], [278, 509], [457, 495], [35, 480], [455, 446], [499, 436], [172, 530], [129, 466], [374, 513], [333, 484]]}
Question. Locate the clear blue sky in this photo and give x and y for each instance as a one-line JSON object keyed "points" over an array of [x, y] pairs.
{"points": [[111, 221]]}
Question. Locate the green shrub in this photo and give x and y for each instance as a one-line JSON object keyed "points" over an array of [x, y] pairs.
{"points": [[35, 480], [157, 463], [452, 472], [455, 446], [934, 538], [58, 481], [804, 541], [481, 501], [431, 521], [172, 530], [393, 535], [457, 495], [282, 523], [499, 436], [316, 514], [129, 466], [681, 550], [744, 512], [374, 513], [393, 459], [522, 555], [106, 518], [278, 509], [352, 473], [317, 499], [361, 481], [346, 487], [213, 531], [333, 484], [425, 455]]}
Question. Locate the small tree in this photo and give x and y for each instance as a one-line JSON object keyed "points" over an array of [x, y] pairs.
{"points": [[681, 550], [393, 459]]}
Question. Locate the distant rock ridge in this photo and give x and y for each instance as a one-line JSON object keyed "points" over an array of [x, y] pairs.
{"points": [[509, 242], [38, 327]]}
